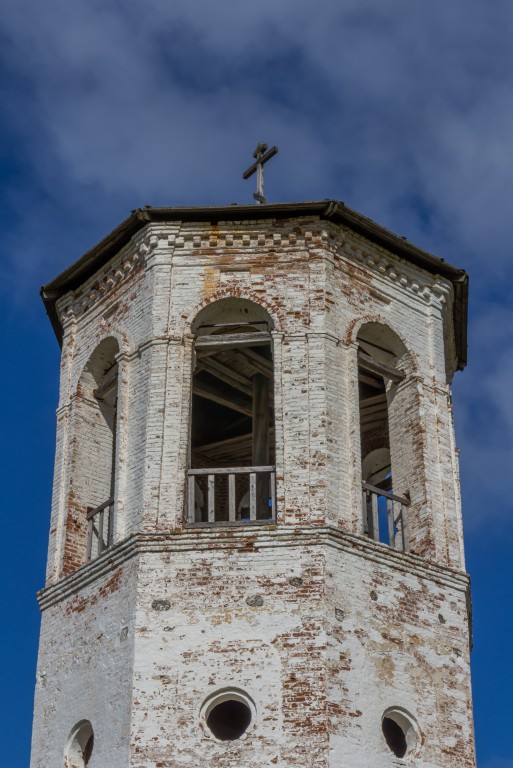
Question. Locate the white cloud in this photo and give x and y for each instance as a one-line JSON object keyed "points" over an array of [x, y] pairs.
{"points": [[401, 109], [167, 99]]}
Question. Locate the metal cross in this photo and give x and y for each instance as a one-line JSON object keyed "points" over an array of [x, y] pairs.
{"points": [[261, 155]]}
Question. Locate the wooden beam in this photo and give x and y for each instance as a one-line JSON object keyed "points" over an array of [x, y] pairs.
{"points": [[242, 445], [373, 366], [267, 364], [368, 410], [201, 354], [380, 492], [372, 425], [238, 324], [232, 401], [373, 399], [376, 383], [226, 375], [230, 470], [228, 340], [260, 364], [230, 441], [374, 420]]}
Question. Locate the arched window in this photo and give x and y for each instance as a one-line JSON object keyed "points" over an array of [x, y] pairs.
{"points": [[381, 358], [231, 474], [89, 527]]}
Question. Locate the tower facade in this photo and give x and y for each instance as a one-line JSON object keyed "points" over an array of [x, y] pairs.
{"points": [[256, 551]]}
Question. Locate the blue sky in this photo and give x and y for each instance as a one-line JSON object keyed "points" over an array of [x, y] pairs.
{"points": [[403, 109]]}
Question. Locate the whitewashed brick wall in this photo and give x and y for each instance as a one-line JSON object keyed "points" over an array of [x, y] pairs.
{"points": [[320, 679]]}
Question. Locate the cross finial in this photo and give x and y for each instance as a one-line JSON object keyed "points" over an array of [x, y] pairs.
{"points": [[261, 155]]}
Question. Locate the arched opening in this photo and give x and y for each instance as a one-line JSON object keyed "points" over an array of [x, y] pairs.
{"points": [[381, 356], [232, 455], [89, 527], [80, 746]]}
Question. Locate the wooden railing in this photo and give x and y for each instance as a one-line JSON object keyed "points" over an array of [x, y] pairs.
{"points": [[100, 530], [385, 517], [231, 495]]}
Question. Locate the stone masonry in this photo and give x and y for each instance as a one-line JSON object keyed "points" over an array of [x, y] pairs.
{"points": [[322, 629]]}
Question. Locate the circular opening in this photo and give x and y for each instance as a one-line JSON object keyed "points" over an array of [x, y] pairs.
{"points": [[394, 736], [400, 732], [229, 720], [228, 714], [80, 746]]}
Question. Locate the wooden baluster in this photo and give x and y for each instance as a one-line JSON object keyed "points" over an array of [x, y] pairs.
{"points": [[273, 495], [89, 550], [231, 498], [391, 526], [405, 537], [365, 512], [192, 499], [211, 498], [110, 526], [375, 516], [252, 496], [101, 543]]}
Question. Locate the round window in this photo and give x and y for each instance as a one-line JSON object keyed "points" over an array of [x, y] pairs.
{"points": [[80, 746], [228, 714], [400, 731]]}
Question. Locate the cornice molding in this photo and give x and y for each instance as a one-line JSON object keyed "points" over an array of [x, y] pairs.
{"points": [[337, 240], [237, 538], [345, 243], [130, 260]]}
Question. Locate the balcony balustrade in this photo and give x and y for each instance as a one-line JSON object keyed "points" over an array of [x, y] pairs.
{"points": [[385, 518], [231, 495], [100, 530]]}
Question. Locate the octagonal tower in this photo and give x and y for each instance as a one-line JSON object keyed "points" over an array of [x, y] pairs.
{"points": [[256, 551]]}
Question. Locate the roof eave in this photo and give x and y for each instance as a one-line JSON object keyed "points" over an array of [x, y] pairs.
{"points": [[331, 210]]}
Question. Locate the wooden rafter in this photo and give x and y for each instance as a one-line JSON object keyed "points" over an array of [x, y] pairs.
{"points": [[231, 340], [258, 363], [215, 395], [226, 375], [243, 441], [371, 365], [373, 400], [228, 443], [372, 382]]}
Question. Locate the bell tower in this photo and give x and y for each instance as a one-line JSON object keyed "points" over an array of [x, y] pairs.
{"points": [[256, 553]]}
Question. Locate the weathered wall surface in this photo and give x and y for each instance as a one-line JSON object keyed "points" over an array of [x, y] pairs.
{"points": [[338, 636], [320, 682], [319, 285], [397, 638], [85, 666], [196, 633], [323, 630]]}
